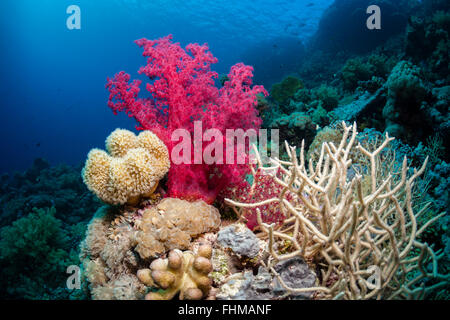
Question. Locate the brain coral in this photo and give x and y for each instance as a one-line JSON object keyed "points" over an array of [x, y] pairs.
{"points": [[171, 225], [130, 169]]}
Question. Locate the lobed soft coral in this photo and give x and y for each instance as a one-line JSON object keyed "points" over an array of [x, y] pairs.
{"points": [[130, 169], [182, 91], [185, 273], [172, 223]]}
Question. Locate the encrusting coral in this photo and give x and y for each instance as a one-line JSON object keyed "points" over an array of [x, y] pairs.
{"points": [[183, 272], [353, 218], [172, 223], [130, 169]]}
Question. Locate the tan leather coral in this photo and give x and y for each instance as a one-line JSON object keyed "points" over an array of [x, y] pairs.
{"points": [[130, 169]]}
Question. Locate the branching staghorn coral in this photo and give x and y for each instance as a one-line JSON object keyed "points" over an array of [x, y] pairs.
{"points": [[354, 220]]}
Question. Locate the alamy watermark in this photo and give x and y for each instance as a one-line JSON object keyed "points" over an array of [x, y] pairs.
{"points": [[374, 20], [74, 20], [211, 146], [374, 280], [74, 280]]}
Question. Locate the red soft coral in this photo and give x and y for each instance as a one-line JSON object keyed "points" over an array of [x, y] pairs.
{"points": [[182, 90]]}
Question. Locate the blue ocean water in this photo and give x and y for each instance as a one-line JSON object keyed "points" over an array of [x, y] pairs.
{"points": [[322, 62], [53, 101]]}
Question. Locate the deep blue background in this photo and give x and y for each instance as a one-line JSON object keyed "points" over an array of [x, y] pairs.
{"points": [[52, 80]]}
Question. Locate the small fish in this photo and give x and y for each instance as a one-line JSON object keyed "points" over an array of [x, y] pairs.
{"points": [[38, 144], [310, 4]]}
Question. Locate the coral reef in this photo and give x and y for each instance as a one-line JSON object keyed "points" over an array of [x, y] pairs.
{"points": [[44, 186], [328, 96], [295, 126], [356, 219], [34, 254], [370, 71], [405, 90], [44, 212], [354, 71], [132, 167], [427, 38], [185, 273], [345, 215]]}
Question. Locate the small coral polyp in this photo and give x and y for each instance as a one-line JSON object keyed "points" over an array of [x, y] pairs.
{"points": [[130, 169]]}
